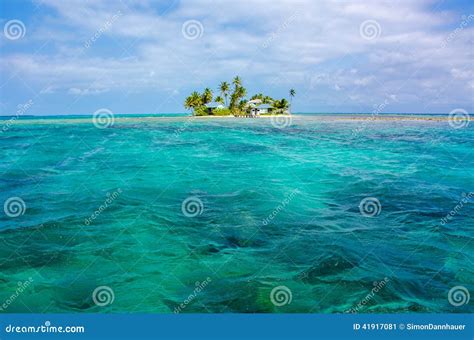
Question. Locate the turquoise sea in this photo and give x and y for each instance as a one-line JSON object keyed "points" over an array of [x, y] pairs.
{"points": [[236, 215]]}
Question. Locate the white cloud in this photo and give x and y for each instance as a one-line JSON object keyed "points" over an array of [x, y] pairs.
{"points": [[86, 91], [364, 81], [48, 90], [304, 44]]}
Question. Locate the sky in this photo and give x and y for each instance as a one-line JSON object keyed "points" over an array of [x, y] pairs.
{"points": [[78, 56]]}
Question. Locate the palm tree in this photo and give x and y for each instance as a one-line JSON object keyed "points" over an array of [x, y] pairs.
{"points": [[281, 105], [242, 104], [219, 99], [224, 88], [196, 99], [267, 100], [292, 94], [233, 100], [239, 92], [188, 103], [257, 96], [237, 82], [193, 101], [207, 96]]}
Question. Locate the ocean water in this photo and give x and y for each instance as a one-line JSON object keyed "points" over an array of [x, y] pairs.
{"points": [[237, 215]]}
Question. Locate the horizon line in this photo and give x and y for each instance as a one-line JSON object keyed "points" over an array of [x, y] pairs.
{"points": [[173, 113]]}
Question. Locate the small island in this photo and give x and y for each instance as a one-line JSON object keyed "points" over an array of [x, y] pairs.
{"points": [[233, 102]]}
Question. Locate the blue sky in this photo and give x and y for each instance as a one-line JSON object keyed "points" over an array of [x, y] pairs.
{"points": [[75, 56]]}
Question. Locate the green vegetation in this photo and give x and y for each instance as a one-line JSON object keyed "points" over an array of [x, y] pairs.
{"points": [[292, 94], [222, 112], [224, 88], [231, 100], [281, 104], [207, 96]]}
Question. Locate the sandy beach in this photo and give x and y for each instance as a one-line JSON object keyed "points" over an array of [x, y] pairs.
{"points": [[295, 117]]}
